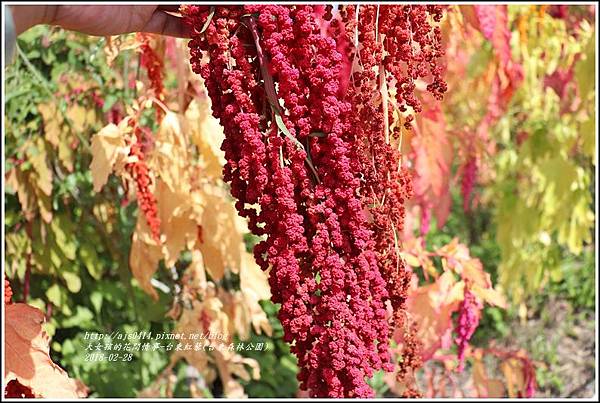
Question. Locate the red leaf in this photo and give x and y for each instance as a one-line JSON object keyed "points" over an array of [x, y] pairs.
{"points": [[431, 307], [27, 357], [493, 24], [432, 153]]}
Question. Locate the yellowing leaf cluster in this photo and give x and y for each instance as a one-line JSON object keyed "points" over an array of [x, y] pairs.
{"points": [[33, 181], [196, 214]]}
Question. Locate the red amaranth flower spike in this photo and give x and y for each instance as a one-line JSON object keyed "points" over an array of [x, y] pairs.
{"points": [[469, 176], [140, 172], [154, 66], [469, 313], [7, 292], [301, 134], [389, 57]]}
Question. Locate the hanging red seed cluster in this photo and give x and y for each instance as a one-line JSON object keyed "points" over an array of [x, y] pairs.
{"points": [[467, 183], [469, 314], [140, 173], [301, 92], [153, 64], [7, 292]]}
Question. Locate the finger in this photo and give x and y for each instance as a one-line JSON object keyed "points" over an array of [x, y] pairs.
{"points": [[165, 24]]}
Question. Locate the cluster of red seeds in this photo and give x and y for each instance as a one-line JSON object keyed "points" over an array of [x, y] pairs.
{"points": [[7, 292], [141, 174], [468, 320], [388, 58], [154, 65], [469, 177], [311, 164], [14, 389]]}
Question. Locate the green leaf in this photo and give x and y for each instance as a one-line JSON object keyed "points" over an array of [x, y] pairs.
{"points": [[585, 72], [109, 101], [82, 318], [60, 226], [72, 280], [89, 257], [588, 134], [479, 60], [55, 295]]}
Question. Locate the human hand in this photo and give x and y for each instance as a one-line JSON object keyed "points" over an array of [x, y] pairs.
{"points": [[102, 20]]}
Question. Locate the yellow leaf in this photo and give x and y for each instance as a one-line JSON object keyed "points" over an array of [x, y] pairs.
{"points": [[190, 323], [489, 295], [451, 249], [255, 287], [61, 135], [207, 135], [169, 158], [222, 234], [179, 230], [588, 136], [410, 259], [144, 256], [65, 155], [34, 185], [40, 166], [17, 244], [15, 179], [108, 146], [512, 369], [80, 117], [177, 221], [415, 255], [117, 44], [53, 121], [472, 270], [197, 271], [486, 386], [233, 307], [230, 364], [252, 278], [457, 257]]}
